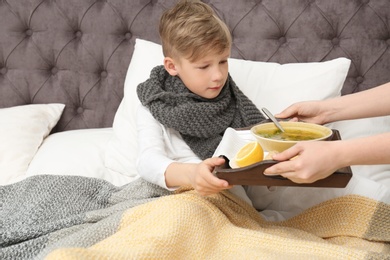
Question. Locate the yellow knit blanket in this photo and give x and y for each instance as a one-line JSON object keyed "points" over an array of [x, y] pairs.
{"points": [[189, 226]]}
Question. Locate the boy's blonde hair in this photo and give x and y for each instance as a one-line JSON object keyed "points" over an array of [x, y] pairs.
{"points": [[192, 30]]}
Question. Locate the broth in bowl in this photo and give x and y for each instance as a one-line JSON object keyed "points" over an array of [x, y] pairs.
{"points": [[272, 139], [291, 134]]}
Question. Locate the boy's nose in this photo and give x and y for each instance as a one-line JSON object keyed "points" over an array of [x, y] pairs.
{"points": [[217, 75]]}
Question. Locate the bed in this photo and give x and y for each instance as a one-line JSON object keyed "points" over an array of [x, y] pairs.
{"points": [[69, 184]]}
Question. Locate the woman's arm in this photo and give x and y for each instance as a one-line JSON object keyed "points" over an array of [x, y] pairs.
{"points": [[369, 103], [318, 160]]}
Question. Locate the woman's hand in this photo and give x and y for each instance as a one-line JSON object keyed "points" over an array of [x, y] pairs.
{"points": [[307, 111], [307, 162]]}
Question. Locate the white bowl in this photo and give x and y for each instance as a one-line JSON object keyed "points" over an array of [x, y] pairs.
{"points": [[263, 134]]}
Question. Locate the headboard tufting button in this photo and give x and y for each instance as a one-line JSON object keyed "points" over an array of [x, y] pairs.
{"points": [[359, 79], [335, 41], [128, 35], [80, 110], [29, 32], [3, 70], [54, 70], [78, 34], [365, 2], [103, 74], [282, 40]]}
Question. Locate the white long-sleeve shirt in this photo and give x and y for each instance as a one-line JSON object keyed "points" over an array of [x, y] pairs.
{"points": [[159, 146]]}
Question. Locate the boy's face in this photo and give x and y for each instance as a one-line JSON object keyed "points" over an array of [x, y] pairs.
{"points": [[204, 77]]}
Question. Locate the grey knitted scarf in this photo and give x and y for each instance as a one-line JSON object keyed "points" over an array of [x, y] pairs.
{"points": [[200, 121]]}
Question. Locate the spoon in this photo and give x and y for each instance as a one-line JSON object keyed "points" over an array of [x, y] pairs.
{"points": [[273, 119]]}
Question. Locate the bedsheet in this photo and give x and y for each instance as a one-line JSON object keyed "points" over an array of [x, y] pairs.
{"points": [[70, 217]]}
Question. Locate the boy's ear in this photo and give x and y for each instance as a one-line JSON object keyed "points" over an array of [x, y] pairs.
{"points": [[170, 66]]}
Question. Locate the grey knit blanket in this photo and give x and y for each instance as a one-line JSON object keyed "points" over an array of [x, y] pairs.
{"points": [[43, 213]]}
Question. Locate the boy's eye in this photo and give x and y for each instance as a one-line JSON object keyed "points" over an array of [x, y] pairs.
{"points": [[203, 67], [223, 61]]}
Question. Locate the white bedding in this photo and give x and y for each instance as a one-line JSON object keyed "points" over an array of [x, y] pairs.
{"points": [[83, 153], [76, 152], [110, 153]]}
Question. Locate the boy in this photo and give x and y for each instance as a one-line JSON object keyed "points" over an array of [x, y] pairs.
{"points": [[189, 101]]}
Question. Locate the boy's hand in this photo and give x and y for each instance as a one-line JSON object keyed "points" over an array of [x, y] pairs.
{"points": [[204, 181]]}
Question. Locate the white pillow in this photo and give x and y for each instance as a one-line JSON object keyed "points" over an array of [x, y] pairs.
{"points": [[22, 130], [267, 84], [121, 154], [76, 152], [277, 86]]}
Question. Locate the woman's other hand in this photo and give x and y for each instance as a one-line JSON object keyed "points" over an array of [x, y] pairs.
{"points": [[306, 162]]}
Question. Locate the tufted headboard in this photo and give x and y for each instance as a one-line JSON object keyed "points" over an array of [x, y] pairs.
{"points": [[77, 52]]}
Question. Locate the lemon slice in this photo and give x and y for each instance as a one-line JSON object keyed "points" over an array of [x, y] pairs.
{"points": [[249, 154]]}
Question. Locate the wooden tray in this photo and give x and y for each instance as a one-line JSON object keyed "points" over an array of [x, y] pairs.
{"points": [[253, 174]]}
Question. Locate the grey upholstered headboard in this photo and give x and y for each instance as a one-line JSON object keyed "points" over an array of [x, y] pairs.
{"points": [[77, 51]]}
